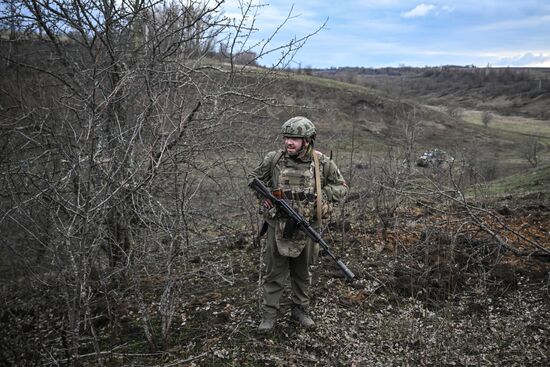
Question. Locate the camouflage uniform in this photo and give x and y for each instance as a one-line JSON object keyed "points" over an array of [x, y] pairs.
{"points": [[293, 256]]}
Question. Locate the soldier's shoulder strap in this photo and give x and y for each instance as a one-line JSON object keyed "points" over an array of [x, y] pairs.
{"points": [[323, 158], [276, 159], [318, 194]]}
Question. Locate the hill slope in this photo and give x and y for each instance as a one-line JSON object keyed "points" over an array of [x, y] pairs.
{"points": [[516, 91], [376, 121]]}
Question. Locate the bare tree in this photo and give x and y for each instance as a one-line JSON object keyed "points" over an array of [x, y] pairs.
{"points": [[9, 19], [411, 127], [386, 182], [530, 151], [454, 111], [114, 136], [486, 118]]}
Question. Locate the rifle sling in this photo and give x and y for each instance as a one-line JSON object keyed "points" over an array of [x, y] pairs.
{"points": [[318, 187]]}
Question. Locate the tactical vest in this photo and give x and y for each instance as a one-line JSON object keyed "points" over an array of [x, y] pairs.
{"points": [[296, 180]]}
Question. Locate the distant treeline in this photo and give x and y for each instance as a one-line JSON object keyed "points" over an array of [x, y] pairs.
{"points": [[502, 73], [524, 90], [497, 81]]}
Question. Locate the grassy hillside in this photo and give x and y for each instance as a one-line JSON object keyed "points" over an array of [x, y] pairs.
{"points": [[516, 91], [376, 120], [534, 182]]}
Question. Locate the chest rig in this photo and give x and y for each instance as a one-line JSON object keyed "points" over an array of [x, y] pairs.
{"points": [[297, 183]]}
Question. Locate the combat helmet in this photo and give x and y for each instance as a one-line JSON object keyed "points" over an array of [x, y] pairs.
{"points": [[298, 127]]}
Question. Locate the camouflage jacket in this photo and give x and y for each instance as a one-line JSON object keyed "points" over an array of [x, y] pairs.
{"points": [[333, 185], [296, 179]]}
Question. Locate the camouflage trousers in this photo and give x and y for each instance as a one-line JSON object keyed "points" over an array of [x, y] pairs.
{"points": [[278, 269]]}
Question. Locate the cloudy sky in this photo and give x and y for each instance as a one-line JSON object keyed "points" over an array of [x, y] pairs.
{"points": [[376, 33]]}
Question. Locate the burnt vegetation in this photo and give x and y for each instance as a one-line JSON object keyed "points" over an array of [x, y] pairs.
{"points": [[129, 235]]}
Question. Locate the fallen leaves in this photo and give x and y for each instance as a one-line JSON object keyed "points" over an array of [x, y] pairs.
{"points": [[437, 291]]}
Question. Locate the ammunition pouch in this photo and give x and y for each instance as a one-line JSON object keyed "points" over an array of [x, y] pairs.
{"points": [[299, 196], [294, 196]]}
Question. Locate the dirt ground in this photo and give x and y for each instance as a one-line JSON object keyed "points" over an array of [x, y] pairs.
{"points": [[421, 299], [427, 295]]}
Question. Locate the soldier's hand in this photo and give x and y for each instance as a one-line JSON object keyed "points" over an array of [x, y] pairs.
{"points": [[267, 204]]}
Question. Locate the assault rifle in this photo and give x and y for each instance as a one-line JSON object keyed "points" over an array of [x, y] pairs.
{"points": [[300, 222]]}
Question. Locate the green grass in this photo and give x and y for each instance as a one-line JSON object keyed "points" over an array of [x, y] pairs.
{"points": [[332, 83], [513, 124], [535, 181], [515, 132]]}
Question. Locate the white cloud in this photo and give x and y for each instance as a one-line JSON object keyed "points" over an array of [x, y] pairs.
{"points": [[528, 59], [423, 10], [419, 11]]}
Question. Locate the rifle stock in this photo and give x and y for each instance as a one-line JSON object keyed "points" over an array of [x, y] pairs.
{"points": [[300, 221]]}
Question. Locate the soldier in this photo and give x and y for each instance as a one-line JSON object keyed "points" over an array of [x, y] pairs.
{"points": [[290, 173]]}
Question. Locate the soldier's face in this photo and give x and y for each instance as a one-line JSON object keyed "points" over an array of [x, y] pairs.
{"points": [[293, 145]]}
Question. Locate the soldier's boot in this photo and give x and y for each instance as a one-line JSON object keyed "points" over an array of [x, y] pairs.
{"points": [[267, 324], [299, 314]]}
